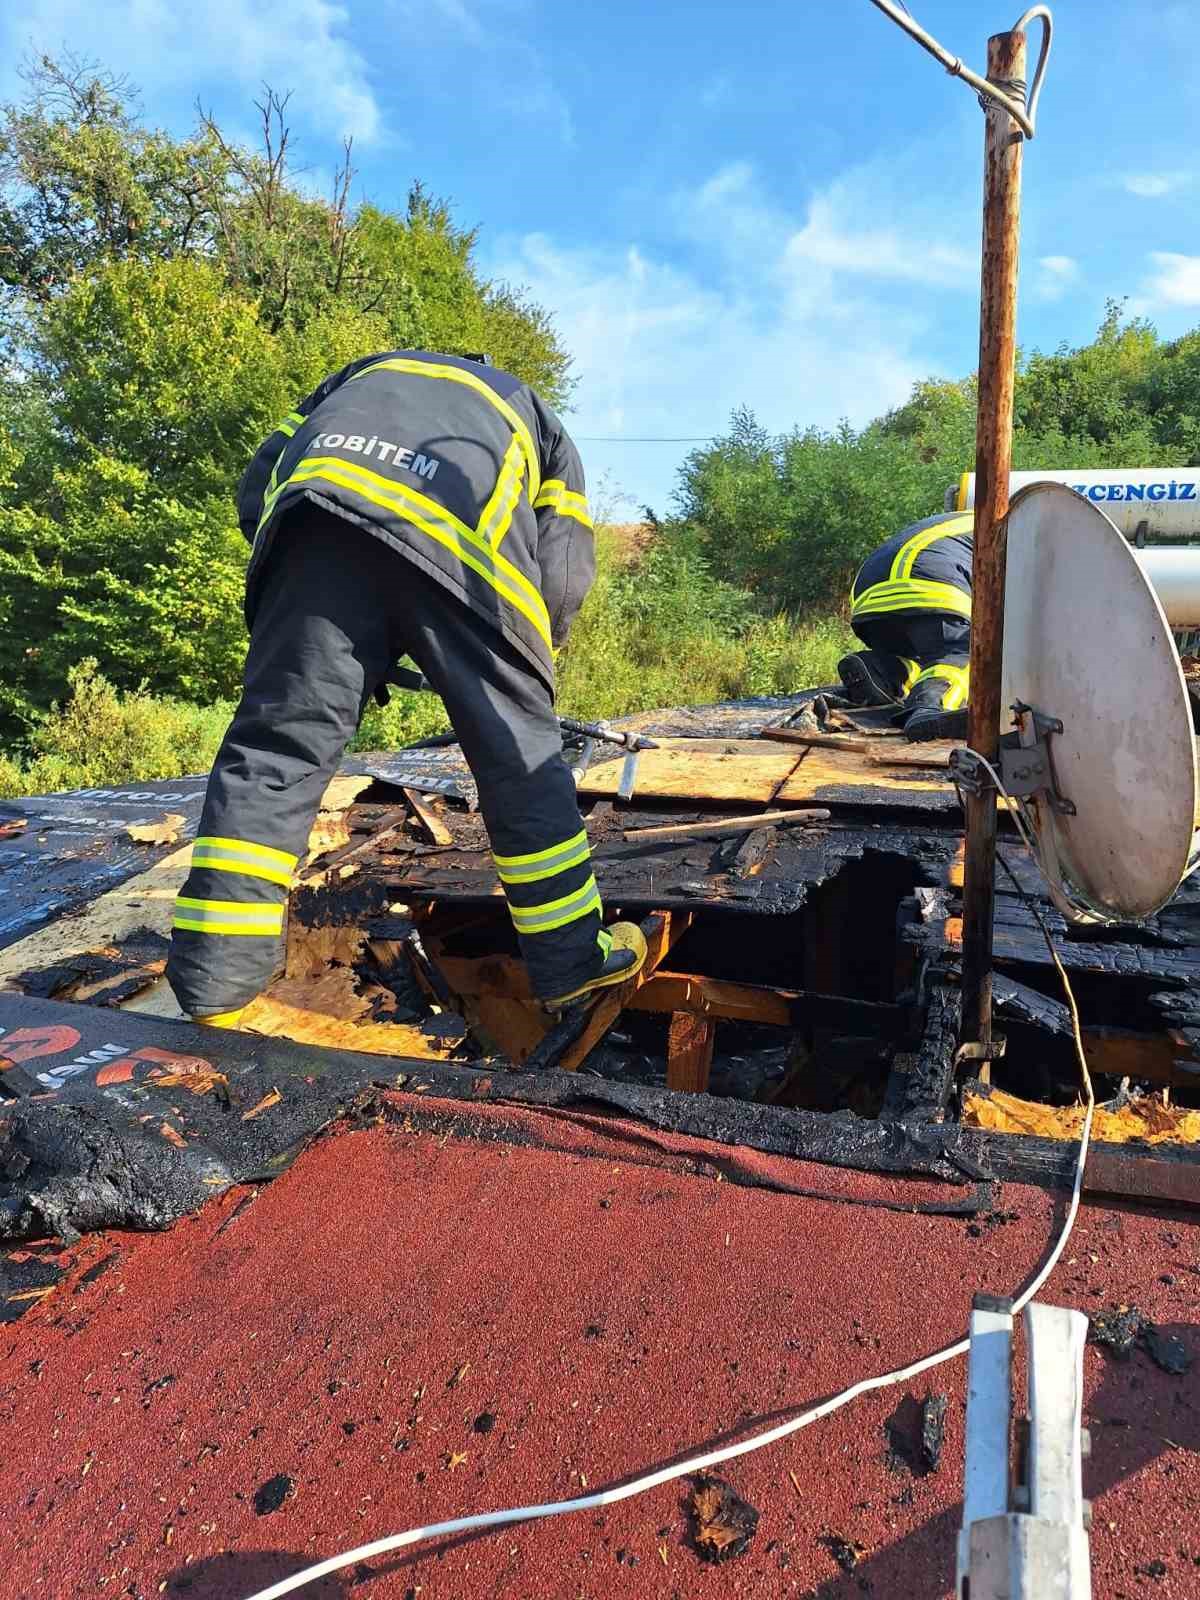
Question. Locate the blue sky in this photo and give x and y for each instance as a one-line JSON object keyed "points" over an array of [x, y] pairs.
{"points": [[767, 204]]}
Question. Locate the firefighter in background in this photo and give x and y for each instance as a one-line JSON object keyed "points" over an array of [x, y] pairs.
{"points": [[911, 606], [423, 505]]}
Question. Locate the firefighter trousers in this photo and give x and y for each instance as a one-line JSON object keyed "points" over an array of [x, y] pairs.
{"points": [[336, 609], [921, 658]]}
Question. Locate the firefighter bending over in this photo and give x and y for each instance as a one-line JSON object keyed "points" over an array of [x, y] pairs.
{"points": [[911, 606], [421, 505]]}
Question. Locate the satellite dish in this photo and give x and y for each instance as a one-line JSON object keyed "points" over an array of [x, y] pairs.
{"points": [[1086, 642]]}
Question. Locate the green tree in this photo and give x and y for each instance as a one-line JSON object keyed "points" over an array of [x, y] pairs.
{"points": [[792, 517], [163, 302]]}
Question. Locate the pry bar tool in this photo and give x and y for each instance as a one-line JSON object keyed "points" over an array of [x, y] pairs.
{"points": [[632, 743], [591, 732]]}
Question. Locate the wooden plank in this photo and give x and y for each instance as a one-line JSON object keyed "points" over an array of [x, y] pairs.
{"points": [[718, 770], [933, 760], [724, 825], [1025, 945], [849, 777], [919, 1086], [690, 1042], [826, 741], [433, 825], [1113, 1170], [514, 1027], [737, 1002], [505, 978], [1120, 1054], [783, 1008]]}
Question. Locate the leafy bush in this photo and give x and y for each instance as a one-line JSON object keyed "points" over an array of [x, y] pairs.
{"points": [[661, 629], [102, 738], [406, 718]]}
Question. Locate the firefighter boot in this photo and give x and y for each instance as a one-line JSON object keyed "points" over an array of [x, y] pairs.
{"points": [[625, 958], [222, 1019], [931, 722], [865, 682]]}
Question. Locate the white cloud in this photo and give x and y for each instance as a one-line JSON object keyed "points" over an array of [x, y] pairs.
{"points": [[1176, 281], [771, 311], [1153, 185], [1055, 275], [730, 211], [879, 252], [166, 47]]}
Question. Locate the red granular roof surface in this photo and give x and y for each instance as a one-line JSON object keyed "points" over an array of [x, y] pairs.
{"points": [[353, 1328]]}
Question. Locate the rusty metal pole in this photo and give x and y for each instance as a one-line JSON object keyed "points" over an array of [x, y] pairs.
{"points": [[993, 462]]}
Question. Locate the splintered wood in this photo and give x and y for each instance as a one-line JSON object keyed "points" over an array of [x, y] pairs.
{"points": [[1142, 1121], [723, 1524], [277, 1020], [164, 832], [331, 830]]}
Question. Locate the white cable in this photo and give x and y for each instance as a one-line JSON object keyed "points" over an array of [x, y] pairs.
{"points": [[1025, 116], [712, 1458]]}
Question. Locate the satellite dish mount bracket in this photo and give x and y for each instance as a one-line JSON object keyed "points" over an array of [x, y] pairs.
{"points": [[1026, 762]]}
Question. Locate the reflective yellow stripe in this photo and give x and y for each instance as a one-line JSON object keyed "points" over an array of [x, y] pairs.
{"points": [[557, 913], [914, 594], [911, 673], [546, 864], [290, 423], [431, 519], [566, 502], [264, 852], [228, 917], [497, 515], [963, 489], [239, 910], [271, 495], [958, 679], [540, 855], [410, 504], [431, 369], [246, 869], [911, 548]]}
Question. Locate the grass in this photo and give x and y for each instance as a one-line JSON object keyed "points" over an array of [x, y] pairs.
{"points": [[659, 628]]}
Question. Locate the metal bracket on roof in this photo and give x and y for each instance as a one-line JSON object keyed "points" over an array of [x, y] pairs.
{"points": [[976, 1050], [1026, 762]]}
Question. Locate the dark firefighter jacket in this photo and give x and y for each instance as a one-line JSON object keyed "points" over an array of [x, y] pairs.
{"points": [[460, 467], [925, 567]]}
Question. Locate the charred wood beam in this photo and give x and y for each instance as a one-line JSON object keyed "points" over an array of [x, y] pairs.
{"points": [[919, 1086], [504, 977], [785, 1008]]}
